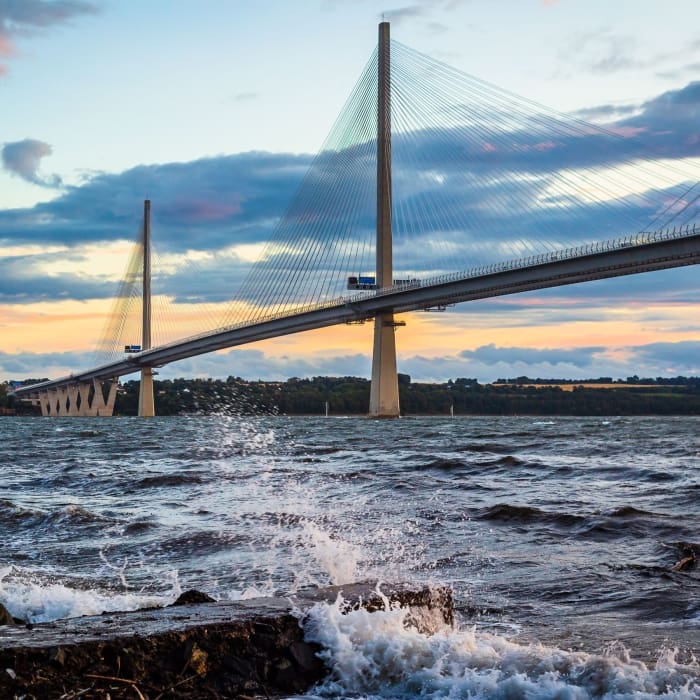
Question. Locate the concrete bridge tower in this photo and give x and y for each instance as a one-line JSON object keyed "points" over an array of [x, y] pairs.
{"points": [[146, 401], [384, 392]]}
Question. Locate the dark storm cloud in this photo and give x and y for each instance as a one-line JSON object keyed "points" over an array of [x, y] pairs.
{"points": [[23, 158]]}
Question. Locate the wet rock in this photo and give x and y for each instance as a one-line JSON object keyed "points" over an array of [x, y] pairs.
{"points": [[57, 656], [193, 596], [5, 617], [219, 650], [303, 656]]}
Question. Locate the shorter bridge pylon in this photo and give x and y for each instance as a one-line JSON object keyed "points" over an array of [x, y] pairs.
{"points": [[146, 399]]}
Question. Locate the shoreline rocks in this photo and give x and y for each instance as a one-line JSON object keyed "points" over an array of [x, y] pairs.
{"points": [[189, 650]]}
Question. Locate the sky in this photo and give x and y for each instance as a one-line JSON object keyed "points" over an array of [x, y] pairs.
{"points": [[215, 109]]}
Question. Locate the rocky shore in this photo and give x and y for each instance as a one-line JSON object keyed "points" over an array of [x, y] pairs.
{"points": [[192, 649]]}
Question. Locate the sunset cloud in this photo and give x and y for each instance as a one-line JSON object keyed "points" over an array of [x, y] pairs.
{"points": [[22, 18]]}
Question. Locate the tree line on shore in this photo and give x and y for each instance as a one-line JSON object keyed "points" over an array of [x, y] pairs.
{"points": [[462, 396]]}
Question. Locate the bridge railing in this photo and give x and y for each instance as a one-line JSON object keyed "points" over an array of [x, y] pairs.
{"points": [[642, 238]]}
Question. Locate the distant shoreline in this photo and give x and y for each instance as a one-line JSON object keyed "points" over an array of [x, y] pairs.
{"points": [[349, 396]]}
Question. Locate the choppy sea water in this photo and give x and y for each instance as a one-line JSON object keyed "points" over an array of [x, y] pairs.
{"points": [[558, 537]]}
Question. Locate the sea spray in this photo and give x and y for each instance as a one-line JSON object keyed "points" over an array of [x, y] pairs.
{"points": [[337, 557], [383, 655], [35, 597]]}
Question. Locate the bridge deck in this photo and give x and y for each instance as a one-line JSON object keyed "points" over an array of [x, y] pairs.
{"points": [[655, 252]]}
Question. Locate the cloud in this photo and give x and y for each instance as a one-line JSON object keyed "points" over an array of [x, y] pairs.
{"points": [[204, 204], [245, 96], [23, 158], [423, 11], [26, 17], [670, 356], [37, 365], [401, 14], [487, 364], [602, 52], [490, 355], [24, 280], [226, 206], [605, 112]]}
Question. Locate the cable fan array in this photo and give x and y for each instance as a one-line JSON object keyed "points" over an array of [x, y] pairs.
{"points": [[480, 176]]}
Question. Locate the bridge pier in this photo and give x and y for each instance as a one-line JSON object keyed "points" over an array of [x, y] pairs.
{"points": [[146, 400], [384, 391], [79, 399]]}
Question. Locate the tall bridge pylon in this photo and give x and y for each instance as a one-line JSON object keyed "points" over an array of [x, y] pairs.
{"points": [[384, 392]]}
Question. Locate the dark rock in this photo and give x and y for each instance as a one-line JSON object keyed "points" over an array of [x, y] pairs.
{"points": [[192, 597], [5, 617], [304, 657], [57, 656], [220, 650]]}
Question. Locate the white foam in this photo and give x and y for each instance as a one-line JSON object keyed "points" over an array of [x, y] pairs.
{"points": [[337, 557], [379, 655], [36, 598]]}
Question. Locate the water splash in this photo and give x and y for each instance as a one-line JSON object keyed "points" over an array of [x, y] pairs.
{"points": [[337, 557], [382, 655], [35, 597]]}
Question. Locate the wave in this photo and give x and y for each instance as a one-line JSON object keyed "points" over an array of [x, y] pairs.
{"points": [[383, 655], [506, 461], [444, 464], [36, 597], [528, 514], [169, 480], [12, 514]]}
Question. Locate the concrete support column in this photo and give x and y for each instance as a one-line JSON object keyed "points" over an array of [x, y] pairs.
{"points": [[84, 391], [146, 399], [72, 399], [111, 398], [100, 406], [44, 402], [53, 402], [62, 393], [384, 391], [147, 407]]}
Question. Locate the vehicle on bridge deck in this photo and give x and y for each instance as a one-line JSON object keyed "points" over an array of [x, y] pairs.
{"points": [[129, 349], [367, 282], [362, 282]]}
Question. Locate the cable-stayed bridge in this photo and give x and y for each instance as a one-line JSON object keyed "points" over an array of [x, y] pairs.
{"points": [[432, 188]]}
